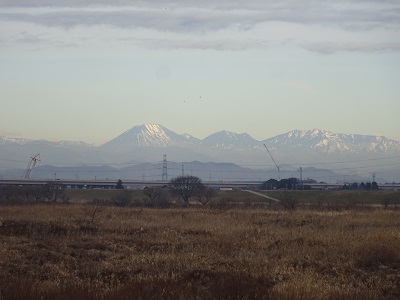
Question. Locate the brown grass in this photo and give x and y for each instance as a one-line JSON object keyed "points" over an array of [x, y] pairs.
{"points": [[88, 252]]}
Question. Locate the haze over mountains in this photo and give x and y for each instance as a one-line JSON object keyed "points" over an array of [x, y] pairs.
{"points": [[320, 153]]}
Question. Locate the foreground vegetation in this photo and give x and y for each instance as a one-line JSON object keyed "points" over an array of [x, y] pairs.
{"points": [[90, 251]]}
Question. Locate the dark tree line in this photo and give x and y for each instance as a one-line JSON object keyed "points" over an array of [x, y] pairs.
{"points": [[49, 192], [181, 189], [369, 186], [295, 184], [288, 184]]}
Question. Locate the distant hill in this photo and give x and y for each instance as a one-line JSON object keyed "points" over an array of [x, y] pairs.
{"points": [[350, 155]]}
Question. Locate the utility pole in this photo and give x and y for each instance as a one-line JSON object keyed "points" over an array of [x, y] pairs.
{"points": [[183, 171], [301, 177]]}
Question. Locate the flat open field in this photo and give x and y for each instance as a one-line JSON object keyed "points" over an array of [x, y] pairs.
{"points": [[84, 251], [315, 199]]}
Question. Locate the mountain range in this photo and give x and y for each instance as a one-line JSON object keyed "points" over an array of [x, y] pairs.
{"points": [[346, 155]]}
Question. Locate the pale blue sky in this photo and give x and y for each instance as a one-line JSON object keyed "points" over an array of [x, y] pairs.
{"points": [[89, 70]]}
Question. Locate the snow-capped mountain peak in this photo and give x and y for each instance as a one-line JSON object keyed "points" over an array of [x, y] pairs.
{"points": [[150, 135], [229, 139], [144, 135], [149, 142], [328, 142], [6, 140], [155, 130]]}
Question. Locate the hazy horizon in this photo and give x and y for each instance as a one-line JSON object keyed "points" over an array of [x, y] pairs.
{"points": [[182, 133], [90, 70]]}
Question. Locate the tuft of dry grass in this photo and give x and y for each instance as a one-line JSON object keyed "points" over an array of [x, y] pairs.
{"points": [[82, 251]]}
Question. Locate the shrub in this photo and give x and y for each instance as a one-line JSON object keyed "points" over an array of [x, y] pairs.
{"points": [[122, 198], [289, 201], [156, 197]]}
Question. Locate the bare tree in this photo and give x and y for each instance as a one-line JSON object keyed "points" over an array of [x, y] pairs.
{"points": [[122, 198], [152, 193], [54, 192], [38, 193], [186, 187], [206, 195], [157, 196], [289, 201]]}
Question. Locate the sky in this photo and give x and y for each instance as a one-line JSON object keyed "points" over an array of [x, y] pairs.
{"points": [[88, 70]]}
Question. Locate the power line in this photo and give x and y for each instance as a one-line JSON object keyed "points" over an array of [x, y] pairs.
{"points": [[330, 163], [258, 165]]}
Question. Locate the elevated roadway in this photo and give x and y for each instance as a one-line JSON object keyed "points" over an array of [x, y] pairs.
{"points": [[130, 183], [246, 185]]}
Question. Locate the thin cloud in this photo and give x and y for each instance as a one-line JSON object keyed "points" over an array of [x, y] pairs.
{"points": [[209, 3], [183, 19], [211, 44], [26, 37], [40, 39], [333, 47], [189, 17]]}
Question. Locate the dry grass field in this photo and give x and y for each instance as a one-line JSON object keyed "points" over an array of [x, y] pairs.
{"points": [[84, 251]]}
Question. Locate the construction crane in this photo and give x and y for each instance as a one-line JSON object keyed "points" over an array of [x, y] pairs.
{"points": [[279, 171], [31, 166]]}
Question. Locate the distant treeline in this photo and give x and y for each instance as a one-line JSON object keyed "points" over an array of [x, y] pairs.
{"points": [[296, 184], [49, 192]]}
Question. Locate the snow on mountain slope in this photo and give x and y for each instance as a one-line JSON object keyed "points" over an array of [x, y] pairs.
{"points": [[230, 140], [150, 135], [191, 139], [6, 140], [328, 142], [61, 144], [149, 142]]}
